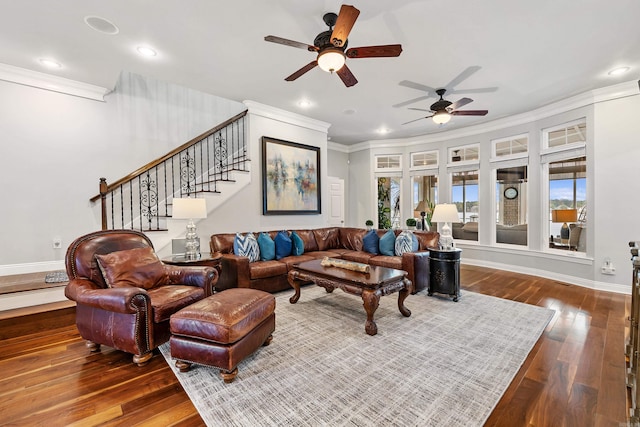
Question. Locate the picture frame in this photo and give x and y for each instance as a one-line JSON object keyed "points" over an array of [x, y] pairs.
{"points": [[290, 178]]}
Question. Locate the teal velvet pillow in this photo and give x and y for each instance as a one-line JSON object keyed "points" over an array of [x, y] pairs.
{"points": [[406, 242], [283, 244], [298, 244], [387, 243], [370, 242], [246, 246], [267, 247]]}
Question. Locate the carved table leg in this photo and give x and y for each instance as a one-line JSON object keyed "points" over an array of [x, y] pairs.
{"points": [[371, 300], [403, 294], [295, 284]]}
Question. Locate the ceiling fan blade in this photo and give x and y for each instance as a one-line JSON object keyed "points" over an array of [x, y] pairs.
{"points": [[417, 109], [421, 118], [459, 103], [417, 86], [346, 76], [411, 101], [292, 43], [469, 113], [302, 70], [374, 51], [477, 90], [462, 76], [346, 18]]}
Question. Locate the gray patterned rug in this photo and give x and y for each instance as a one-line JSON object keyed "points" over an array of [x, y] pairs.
{"points": [[446, 365]]}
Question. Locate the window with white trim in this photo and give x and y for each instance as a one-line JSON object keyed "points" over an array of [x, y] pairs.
{"points": [[388, 162], [424, 159]]}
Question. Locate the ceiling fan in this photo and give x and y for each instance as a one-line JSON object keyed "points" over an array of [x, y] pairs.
{"points": [[443, 110], [331, 44], [450, 87]]}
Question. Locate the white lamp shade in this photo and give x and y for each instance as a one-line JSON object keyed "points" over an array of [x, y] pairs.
{"points": [[331, 60], [189, 208], [441, 117], [445, 212]]}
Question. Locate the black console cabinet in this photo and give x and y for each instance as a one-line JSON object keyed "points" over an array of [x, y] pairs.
{"points": [[445, 272]]}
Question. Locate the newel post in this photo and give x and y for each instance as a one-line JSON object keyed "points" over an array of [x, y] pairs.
{"points": [[103, 201]]}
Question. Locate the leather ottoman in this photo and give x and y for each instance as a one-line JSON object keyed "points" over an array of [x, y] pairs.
{"points": [[222, 330]]}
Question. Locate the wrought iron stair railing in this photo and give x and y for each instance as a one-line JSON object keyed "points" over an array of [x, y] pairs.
{"points": [[142, 200]]}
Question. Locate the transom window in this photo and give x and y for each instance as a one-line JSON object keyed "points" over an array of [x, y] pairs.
{"points": [[510, 147], [468, 153], [571, 133], [389, 162], [424, 159]]}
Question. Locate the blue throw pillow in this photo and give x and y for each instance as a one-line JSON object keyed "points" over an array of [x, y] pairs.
{"points": [[267, 247], [298, 244], [370, 242], [387, 243], [283, 244], [406, 242], [246, 246]]}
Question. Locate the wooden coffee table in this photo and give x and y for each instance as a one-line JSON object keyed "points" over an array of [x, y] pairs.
{"points": [[370, 286]]}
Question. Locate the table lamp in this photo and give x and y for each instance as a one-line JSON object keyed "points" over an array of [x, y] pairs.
{"points": [[190, 209], [565, 216], [445, 213]]}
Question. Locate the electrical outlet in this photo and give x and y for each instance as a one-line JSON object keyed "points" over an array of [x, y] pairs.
{"points": [[57, 243], [609, 270]]}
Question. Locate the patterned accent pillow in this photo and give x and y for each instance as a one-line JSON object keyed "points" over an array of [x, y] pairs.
{"points": [[406, 242], [387, 243], [370, 242], [267, 247], [138, 268], [297, 244], [283, 244], [246, 246]]}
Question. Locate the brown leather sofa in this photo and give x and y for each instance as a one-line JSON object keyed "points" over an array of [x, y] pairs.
{"points": [[335, 242], [132, 315]]}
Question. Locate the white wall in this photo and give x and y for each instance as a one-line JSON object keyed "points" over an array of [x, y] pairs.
{"points": [[55, 147], [244, 211]]}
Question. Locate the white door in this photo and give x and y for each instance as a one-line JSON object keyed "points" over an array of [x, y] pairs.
{"points": [[336, 202]]}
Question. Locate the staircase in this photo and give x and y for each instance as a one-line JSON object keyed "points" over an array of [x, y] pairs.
{"points": [[142, 200]]}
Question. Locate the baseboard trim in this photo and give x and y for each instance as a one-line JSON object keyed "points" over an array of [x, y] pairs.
{"points": [[32, 267], [31, 298], [585, 283]]}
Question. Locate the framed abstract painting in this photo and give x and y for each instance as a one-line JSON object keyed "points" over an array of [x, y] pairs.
{"points": [[290, 178]]}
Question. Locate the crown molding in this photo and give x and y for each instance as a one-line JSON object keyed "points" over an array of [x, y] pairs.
{"points": [[285, 116], [584, 99], [39, 80]]}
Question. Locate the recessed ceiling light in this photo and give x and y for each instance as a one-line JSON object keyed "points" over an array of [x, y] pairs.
{"points": [[383, 131], [304, 103], [146, 51], [50, 63], [618, 71], [101, 25]]}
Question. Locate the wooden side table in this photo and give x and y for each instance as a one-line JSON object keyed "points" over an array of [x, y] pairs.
{"points": [[206, 259], [445, 272]]}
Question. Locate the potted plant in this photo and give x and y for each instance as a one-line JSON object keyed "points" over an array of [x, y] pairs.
{"points": [[369, 224], [411, 223]]}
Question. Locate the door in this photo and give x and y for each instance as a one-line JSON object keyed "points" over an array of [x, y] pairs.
{"points": [[336, 202]]}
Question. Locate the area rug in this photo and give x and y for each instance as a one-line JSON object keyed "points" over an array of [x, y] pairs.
{"points": [[56, 277], [446, 365]]}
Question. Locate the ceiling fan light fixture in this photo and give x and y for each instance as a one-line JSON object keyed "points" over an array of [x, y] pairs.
{"points": [[441, 117], [331, 60]]}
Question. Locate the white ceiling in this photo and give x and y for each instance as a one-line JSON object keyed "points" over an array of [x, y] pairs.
{"points": [[531, 53]]}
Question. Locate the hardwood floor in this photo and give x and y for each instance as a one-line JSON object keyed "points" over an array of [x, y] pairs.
{"points": [[574, 376]]}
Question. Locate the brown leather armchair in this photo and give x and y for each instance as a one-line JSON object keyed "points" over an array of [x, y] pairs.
{"points": [[123, 304]]}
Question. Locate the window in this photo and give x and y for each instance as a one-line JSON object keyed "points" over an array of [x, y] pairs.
{"points": [[465, 197], [424, 193], [466, 154], [565, 162], [424, 160], [511, 205], [388, 162], [389, 202], [515, 146]]}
